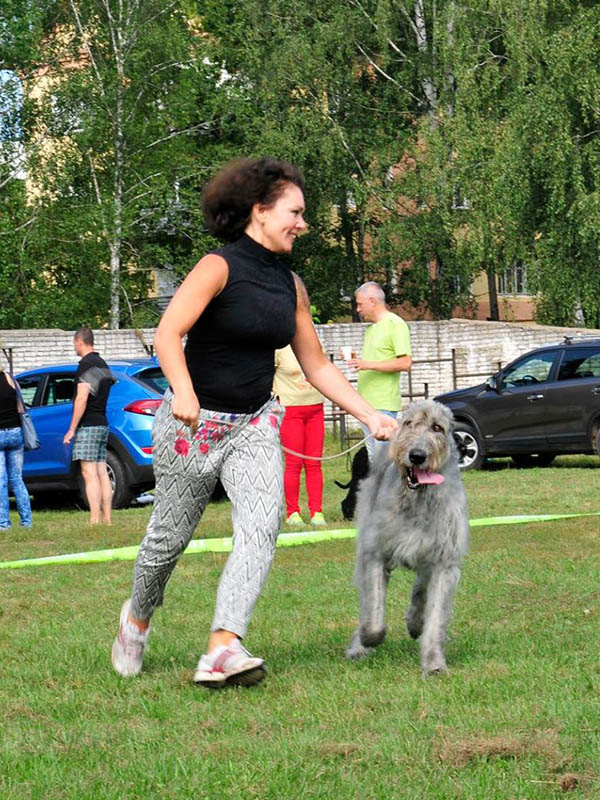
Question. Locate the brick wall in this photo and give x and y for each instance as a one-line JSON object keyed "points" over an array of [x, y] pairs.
{"points": [[479, 346], [34, 348]]}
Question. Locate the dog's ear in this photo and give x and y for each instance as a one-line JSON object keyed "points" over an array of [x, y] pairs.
{"points": [[394, 447], [448, 415]]}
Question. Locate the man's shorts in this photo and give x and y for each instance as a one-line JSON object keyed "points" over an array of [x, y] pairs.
{"points": [[90, 443]]}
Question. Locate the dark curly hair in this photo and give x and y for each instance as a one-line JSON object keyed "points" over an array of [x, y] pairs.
{"points": [[227, 199]]}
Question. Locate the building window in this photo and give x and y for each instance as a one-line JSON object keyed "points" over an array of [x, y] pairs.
{"points": [[513, 280]]}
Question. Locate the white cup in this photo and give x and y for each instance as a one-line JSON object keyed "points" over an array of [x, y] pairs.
{"points": [[346, 352]]}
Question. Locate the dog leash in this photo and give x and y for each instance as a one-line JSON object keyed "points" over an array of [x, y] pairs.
{"points": [[328, 458], [360, 443]]}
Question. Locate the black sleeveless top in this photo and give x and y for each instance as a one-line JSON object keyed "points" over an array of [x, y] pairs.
{"points": [[9, 416], [230, 350]]}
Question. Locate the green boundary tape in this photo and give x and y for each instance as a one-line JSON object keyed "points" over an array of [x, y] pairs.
{"points": [[284, 540]]}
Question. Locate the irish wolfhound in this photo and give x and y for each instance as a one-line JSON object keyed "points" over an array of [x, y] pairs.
{"points": [[412, 512]]}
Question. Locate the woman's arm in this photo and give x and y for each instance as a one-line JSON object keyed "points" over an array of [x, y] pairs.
{"points": [[205, 281], [326, 377]]}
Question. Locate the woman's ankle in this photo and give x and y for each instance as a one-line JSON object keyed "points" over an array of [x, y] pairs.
{"points": [[220, 638]]}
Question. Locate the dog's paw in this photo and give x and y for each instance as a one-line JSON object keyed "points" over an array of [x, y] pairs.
{"points": [[356, 653], [414, 624], [356, 650], [431, 671], [414, 631], [433, 665]]}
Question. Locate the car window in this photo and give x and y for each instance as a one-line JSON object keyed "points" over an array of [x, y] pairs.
{"points": [[529, 370], [580, 362], [29, 387], [154, 378], [59, 389]]}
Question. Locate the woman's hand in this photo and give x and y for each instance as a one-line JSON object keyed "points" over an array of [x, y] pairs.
{"points": [[186, 408], [381, 425]]}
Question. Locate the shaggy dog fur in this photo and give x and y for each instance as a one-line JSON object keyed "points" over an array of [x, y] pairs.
{"points": [[412, 512], [359, 470]]}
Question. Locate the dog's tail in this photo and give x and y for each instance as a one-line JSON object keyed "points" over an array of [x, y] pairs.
{"points": [[343, 485]]}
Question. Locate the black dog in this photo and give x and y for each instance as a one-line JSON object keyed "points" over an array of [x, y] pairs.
{"points": [[359, 469]]}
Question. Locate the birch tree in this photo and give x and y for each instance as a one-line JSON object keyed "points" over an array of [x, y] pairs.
{"points": [[117, 107]]}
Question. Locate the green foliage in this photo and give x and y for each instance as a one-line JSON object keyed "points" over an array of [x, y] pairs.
{"points": [[111, 139], [17, 270], [434, 147], [559, 128], [301, 88]]}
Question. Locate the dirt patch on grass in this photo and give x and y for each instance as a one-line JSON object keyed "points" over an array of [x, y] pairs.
{"points": [[340, 749], [543, 744], [569, 782], [518, 747]]}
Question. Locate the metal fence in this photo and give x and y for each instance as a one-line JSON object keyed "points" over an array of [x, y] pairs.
{"points": [[338, 418]]}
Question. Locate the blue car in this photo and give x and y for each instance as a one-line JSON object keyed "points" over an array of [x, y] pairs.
{"points": [[132, 403]]}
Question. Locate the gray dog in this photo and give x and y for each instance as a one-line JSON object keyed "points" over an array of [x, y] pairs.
{"points": [[412, 512]]}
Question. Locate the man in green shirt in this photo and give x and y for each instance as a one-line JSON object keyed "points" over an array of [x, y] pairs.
{"points": [[386, 352]]}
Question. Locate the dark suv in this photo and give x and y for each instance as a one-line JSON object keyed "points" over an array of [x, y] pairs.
{"points": [[545, 403]]}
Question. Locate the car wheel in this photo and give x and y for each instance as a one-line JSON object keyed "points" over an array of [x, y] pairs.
{"points": [[596, 441], [533, 459], [469, 447], [122, 494]]}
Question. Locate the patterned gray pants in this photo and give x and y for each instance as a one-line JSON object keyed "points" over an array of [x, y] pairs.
{"points": [[247, 458]]}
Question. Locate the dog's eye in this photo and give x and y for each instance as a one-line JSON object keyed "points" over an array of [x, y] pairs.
{"points": [[407, 423], [437, 428]]}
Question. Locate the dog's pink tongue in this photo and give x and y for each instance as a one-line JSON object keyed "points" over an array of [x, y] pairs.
{"points": [[423, 476]]}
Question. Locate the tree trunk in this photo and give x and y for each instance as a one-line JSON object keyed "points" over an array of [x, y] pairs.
{"points": [[115, 285], [347, 234], [427, 84], [115, 245], [351, 273], [360, 249], [434, 302], [450, 78], [119, 164], [493, 294]]}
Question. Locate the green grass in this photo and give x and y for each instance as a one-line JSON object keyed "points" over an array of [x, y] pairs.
{"points": [[518, 713]]}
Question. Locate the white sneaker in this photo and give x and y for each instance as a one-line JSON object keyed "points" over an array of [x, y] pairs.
{"points": [[229, 665], [128, 647]]}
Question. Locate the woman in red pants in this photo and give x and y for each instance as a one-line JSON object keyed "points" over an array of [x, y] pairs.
{"points": [[302, 430]]}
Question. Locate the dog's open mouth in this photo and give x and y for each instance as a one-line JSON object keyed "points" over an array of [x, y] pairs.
{"points": [[416, 477]]}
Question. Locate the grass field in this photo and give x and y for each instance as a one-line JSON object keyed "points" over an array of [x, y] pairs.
{"points": [[518, 716]]}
